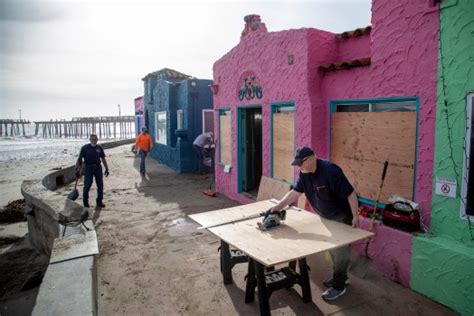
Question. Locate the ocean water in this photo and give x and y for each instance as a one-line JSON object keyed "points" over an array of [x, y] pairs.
{"points": [[39, 150], [32, 149]]}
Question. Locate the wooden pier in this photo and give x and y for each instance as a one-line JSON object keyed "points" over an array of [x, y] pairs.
{"points": [[82, 127], [13, 126]]}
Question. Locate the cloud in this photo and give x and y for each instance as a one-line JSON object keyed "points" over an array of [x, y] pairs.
{"points": [[28, 11]]}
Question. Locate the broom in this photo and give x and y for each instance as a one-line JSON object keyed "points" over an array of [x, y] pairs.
{"points": [[363, 261], [209, 191]]}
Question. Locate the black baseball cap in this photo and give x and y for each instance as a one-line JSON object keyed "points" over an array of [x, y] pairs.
{"points": [[301, 154]]}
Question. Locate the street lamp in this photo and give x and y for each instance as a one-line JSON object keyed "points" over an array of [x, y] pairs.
{"points": [[119, 110]]}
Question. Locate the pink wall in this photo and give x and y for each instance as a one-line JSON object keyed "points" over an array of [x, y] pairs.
{"points": [[389, 251], [352, 48]]}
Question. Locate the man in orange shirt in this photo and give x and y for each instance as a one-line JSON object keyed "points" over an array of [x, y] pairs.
{"points": [[143, 145]]}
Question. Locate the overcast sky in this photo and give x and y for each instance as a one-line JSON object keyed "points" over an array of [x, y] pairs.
{"points": [[61, 59]]}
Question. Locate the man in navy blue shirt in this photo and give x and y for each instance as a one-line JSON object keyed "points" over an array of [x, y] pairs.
{"points": [[331, 196], [92, 154]]}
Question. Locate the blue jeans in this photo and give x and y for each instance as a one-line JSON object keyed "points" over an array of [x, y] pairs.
{"points": [[340, 258], [142, 155], [90, 172]]}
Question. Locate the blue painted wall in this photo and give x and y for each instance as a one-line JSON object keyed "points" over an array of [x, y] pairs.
{"points": [[166, 95]]}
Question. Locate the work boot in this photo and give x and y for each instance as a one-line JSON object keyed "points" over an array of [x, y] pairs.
{"points": [[100, 204], [86, 204], [329, 282], [331, 294]]}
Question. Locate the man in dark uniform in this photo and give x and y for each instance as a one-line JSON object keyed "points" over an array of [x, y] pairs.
{"points": [[331, 196], [92, 155]]}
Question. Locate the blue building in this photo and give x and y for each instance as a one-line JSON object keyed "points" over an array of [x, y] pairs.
{"points": [[177, 109]]}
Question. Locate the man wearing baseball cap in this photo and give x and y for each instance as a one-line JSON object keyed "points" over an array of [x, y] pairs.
{"points": [[331, 196]]}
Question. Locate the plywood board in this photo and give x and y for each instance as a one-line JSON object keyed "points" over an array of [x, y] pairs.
{"points": [[303, 234], [225, 139], [283, 145], [272, 189], [360, 144]]}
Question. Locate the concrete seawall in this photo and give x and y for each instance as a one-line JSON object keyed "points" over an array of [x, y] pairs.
{"points": [[69, 284]]}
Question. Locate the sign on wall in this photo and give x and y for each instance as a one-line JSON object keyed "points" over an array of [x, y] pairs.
{"points": [[446, 187]]}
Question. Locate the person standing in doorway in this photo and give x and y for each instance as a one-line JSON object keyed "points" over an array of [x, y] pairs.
{"points": [[200, 144], [331, 196], [143, 145], [93, 155]]}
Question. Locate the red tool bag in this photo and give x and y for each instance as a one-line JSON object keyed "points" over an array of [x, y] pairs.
{"points": [[401, 215]]}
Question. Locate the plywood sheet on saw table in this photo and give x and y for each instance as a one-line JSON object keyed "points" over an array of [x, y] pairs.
{"points": [[283, 145], [275, 189], [225, 139], [272, 189], [360, 144], [304, 233]]}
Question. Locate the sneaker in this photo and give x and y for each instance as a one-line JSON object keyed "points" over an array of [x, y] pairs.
{"points": [[329, 282], [331, 294], [100, 204]]}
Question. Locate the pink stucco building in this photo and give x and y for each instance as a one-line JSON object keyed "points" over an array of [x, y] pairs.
{"points": [[337, 93]]}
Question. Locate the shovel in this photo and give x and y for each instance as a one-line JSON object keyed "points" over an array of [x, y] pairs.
{"points": [[74, 194], [361, 266]]}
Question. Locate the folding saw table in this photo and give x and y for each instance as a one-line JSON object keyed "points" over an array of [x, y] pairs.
{"points": [[303, 234]]}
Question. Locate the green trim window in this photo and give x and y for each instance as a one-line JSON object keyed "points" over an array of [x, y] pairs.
{"points": [[282, 141], [467, 191], [160, 127], [225, 137]]}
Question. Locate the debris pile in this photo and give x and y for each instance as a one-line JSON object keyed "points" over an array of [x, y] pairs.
{"points": [[13, 212]]}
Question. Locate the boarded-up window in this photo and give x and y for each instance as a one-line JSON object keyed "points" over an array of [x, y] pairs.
{"points": [[283, 137], [225, 140], [362, 141], [207, 121]]}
